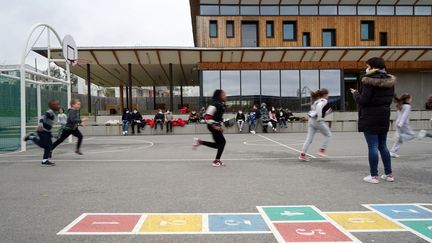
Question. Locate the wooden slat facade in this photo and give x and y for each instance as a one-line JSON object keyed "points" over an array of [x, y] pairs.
{"points": [[401, 30]]}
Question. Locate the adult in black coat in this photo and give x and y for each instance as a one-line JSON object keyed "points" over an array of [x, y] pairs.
{"points": [[374, 100]]}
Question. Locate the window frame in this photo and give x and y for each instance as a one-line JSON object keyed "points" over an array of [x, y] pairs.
{"points": [[287, 22], [333, 31], [230, 22], [215, 22], [371, 31], [271, 23]]}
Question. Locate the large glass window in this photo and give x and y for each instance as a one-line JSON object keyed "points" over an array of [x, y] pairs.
{"points": [[230, 29], [367, 30], [290, 81], [230, 82], [347, 10], [385, 10], [213, 29], [269, 10], [211, 82], [269, 29], [209, 10], [249, 10], [331, 79], [250, 83], [329, 37], [422, 10], [270, 83], [328, 10], [308, 10], [229, 10], [289, 10], [289, 30], [309, 82], [404, 10], [366, 10]]}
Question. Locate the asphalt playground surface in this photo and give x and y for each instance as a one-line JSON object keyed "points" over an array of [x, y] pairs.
{"points": [[162, 174]]}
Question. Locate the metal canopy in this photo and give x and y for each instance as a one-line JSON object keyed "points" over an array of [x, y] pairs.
{"points": [[150, 65], [322, 2]]}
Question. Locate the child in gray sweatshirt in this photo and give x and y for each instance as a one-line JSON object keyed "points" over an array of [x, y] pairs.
{"points": [[404, 131]]}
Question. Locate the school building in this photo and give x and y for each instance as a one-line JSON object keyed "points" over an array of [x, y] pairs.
{"points": [[273, 51]]}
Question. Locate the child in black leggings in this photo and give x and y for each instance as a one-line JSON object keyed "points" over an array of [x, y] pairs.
{"points": [[214, 120]]}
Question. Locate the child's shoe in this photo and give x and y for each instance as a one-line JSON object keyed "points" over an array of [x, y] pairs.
{"points": [[388, 177], [303, 157]]}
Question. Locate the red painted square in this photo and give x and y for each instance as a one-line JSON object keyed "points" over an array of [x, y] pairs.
{"points": [[106, 223], [311, 232]]}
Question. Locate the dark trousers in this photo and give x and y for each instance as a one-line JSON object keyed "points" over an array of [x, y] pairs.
{"points": [[65, 134], [158, 122], [378, 142], [169, 126], [44, 140], [138, 125], [219, 143]]}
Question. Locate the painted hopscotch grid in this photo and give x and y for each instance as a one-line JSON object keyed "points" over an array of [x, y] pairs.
{"points": [[168, 223], [407, 223], [299, 219]]}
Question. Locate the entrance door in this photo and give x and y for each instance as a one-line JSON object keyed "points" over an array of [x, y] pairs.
{"points": [[350, 82], [250, 34]]}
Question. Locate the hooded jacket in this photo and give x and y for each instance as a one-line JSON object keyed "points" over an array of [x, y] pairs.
{"points": [[374, 100]]}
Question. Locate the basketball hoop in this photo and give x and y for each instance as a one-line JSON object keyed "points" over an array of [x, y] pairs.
{"points": [[79, 61], [70, 51]]}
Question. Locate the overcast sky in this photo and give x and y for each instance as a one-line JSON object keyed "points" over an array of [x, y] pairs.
{"points": [[95, 23]]}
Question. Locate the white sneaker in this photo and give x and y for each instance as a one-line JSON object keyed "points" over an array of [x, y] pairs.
{"points": [[253, 132], [394, 155], [389, 177], [421, 134], [196, 143], [371, 179]]}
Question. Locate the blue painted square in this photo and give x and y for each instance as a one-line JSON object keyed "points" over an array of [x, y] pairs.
{"points": [[407, 211], [236, 222]]}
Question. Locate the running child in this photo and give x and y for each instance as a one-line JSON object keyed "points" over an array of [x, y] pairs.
{"points": [[71, 128], [214, 120], [319, 109], [62, 120], [44, 136], [404, 131]]}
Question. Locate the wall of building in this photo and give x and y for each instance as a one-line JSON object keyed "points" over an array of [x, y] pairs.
{"points": [[402, 30], [418, 84]]}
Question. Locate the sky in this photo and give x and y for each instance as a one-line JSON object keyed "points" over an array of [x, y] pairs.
{"points": [[94, 23]]}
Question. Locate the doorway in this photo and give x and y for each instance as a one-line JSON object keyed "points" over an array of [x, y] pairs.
{"points": [[250, 34]]}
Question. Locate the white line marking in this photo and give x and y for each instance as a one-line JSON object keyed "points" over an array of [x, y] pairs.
{"points": [[139, 224], [65, 230], [106, 223], [286, 146]]}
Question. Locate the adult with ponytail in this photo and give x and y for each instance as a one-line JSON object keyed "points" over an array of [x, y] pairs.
{"points": [[374, 99]]}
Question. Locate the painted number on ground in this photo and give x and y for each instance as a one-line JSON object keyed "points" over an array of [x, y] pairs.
{"points": [[400, 212], [310, 232], [236, 223]]}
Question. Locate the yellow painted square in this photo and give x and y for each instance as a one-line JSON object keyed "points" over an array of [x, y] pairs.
{"points": [[363, 221], [172, 223]]}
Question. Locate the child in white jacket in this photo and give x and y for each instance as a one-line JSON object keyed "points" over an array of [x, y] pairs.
{"points": [[319, 109], [404, 131]]}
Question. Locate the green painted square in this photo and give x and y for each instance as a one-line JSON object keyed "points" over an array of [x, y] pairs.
{"points": [[423, 227], [292, 214]]}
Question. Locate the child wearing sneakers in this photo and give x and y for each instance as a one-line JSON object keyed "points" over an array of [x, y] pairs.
{"points": [[71, 128], [214, 120], [319, 109], [404, 131], [44, 136]]}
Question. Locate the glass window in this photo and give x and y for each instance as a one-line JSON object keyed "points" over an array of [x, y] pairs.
{"points": [[289, 10], [209, 10], [250, 83], [327, 10], [347, 10], [404, 10], [230, 29], [289, 30], [229, 10], [306, 39], [309, 82], [366, 10], [385, 10], [270, 84], [213, 29], [329, 37], [308, 10], [422, 10], [270, 29], [249, 10], [211, 82], [230, 82], [290, 83], [191, 91], [269, 10], [367, 30], [331, 79]]}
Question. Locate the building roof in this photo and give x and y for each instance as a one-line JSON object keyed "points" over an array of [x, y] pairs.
{"points": [[322, 2], [150, 65]]}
